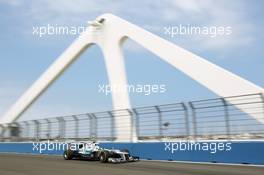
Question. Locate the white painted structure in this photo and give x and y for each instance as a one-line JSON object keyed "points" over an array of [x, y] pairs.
{"points": [[109, 32]]}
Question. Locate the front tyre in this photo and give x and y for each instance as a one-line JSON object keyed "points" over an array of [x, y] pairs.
{"points": [[67, 154], [104, 157]]}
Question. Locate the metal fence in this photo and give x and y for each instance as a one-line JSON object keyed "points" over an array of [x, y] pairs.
{"points": [[219, 118]]}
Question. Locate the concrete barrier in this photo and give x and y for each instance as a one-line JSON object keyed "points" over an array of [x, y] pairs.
{"points": [[238, 152]]}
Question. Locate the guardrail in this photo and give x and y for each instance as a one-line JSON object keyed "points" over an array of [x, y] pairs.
{"points": [[200, 120]]}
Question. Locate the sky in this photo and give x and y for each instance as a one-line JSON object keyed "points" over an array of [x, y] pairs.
{"points": [[25, 56]]}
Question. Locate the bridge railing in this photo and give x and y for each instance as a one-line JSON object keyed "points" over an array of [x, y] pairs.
{"points": [[204, 119]]}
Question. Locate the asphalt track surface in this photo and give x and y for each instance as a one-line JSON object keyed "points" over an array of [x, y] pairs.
{"points": [[18, 164]]}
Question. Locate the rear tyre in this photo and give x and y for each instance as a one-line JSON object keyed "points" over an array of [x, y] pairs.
{"points": [[68, 154], [104, 157]]}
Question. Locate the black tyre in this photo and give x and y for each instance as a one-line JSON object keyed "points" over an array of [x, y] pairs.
{"points": [[68, 154], [104, 157]]}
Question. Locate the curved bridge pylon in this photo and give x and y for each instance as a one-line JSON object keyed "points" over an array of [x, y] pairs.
{"points": [[109, 32]]}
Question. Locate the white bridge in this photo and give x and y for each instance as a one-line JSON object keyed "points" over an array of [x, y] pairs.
{"points": [[109, 32]]}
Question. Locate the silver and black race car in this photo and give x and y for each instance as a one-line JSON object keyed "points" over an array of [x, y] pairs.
{"points": [[92, 151]]}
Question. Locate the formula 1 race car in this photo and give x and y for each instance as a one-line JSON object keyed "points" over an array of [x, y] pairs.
{"points": [[92, 151]]}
